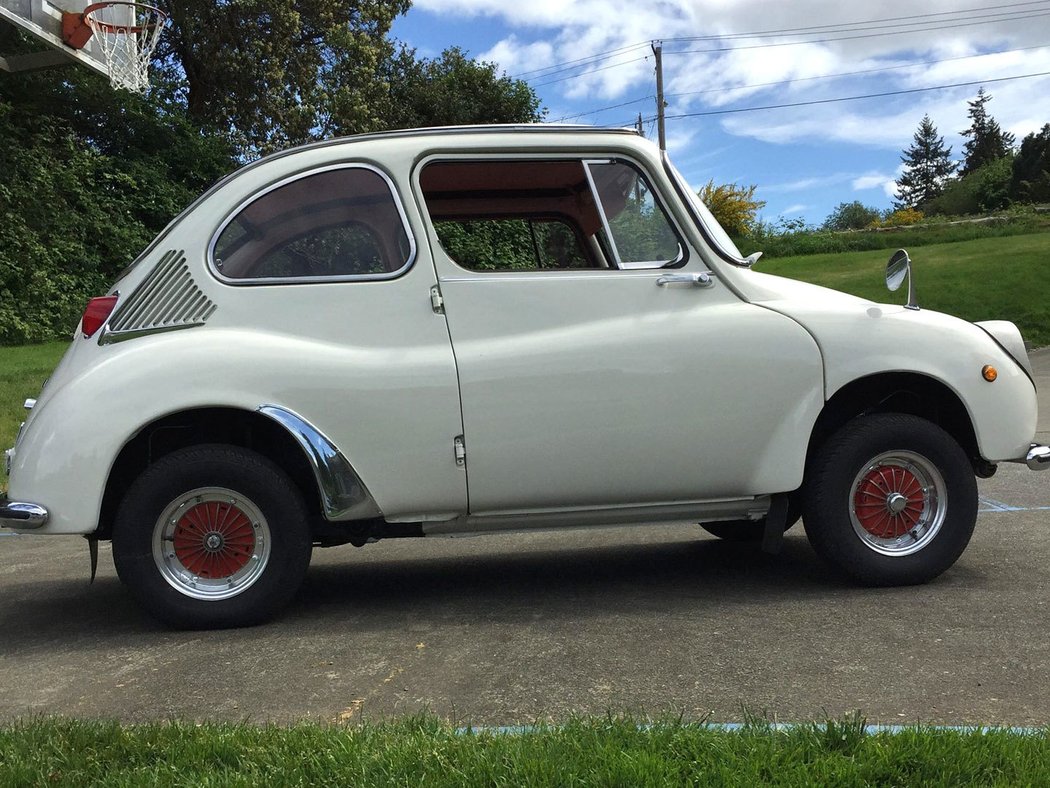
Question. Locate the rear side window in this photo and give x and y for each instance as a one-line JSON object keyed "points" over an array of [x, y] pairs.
{"points": [[337, 224]]}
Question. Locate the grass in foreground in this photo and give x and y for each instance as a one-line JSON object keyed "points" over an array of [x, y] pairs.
{"points": [[23, 371], [983, 279], [425, 751]]}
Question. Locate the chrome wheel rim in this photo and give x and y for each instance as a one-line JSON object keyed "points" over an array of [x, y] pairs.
{"points": [[897, 503], [211, 543]]}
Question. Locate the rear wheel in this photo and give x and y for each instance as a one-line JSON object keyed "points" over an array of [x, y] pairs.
{"points": [[212, 536], [890, 499]]}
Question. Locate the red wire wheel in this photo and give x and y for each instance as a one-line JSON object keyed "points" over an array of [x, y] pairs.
{"points": [[214, 539], [211, 543], [898, 502], [889, 501]]}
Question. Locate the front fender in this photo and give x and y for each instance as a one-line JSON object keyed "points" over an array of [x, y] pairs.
{"points": [[879, 339]]}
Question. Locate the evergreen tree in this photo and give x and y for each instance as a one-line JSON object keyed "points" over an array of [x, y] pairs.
{"points": [[1031, 168], [986, 142], [927, 167]]}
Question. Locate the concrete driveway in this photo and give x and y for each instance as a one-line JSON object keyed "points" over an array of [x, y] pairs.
{"points": [[512, 629]]}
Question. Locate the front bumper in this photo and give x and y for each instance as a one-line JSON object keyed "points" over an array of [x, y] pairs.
{"points": [[1038, 457], [20, 515]]}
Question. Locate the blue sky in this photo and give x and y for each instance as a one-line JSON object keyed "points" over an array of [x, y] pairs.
{"points": [[805, 160]]}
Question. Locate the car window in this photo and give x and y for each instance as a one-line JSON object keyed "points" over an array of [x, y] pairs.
{"points": [[640, 230], [335, 224], [518, 244], [531, 214]]}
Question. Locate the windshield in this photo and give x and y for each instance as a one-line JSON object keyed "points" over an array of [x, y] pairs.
{"points": [[710, 225]]}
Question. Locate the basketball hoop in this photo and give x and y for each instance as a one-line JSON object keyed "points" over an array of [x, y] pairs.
{"points": [[126, 33]]}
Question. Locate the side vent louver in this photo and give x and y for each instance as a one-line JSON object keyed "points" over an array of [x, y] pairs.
{"points": [[166, 300]]}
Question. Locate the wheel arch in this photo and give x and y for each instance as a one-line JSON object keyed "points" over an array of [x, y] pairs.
{"points": [[899, 392], [330, 487]]}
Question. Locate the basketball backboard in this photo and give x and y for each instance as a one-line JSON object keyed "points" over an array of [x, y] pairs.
{"points": [[42, 20]]}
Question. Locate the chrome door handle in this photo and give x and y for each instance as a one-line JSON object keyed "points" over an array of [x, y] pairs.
{"points": [[702, 279]]}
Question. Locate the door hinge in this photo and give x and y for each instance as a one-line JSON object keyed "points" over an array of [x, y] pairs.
{"points": [[436, 301], [461, 451]]}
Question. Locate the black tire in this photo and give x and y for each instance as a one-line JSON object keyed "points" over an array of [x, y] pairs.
{"points": [[890, 499], [212, 536]]}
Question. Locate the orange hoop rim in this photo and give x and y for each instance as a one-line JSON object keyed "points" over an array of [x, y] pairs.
{"points": [[159, 18]]}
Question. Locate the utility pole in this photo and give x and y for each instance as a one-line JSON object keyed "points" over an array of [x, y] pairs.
{"points": [[658, 51], [638, 125]]}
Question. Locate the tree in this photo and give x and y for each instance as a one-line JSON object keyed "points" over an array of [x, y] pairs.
{"points": [[851, 216], [985, 189], [1030, 180], [88, 176], [985, 142], [270, 73], [453, 90], [735, 207], [927, 167]]}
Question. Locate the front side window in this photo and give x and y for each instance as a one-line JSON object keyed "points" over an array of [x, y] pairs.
{"points": [[640, 230], [544, 215], [337, 224], [515, 244]]}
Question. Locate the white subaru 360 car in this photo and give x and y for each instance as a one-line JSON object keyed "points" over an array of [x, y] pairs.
{"points": [[489, 329]]}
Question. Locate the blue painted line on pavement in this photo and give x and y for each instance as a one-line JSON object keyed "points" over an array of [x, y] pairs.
{"points": [[992, 505], [739, 727]]}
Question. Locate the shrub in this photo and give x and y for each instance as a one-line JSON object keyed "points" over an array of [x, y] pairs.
{"points": [[985, 189], [735, 207], [851, 216], [902, 217]]}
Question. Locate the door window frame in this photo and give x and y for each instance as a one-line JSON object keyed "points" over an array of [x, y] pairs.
{"points": [[612, 255]]}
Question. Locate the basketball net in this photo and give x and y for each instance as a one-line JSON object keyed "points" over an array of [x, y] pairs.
{"points": [[127, 35]]}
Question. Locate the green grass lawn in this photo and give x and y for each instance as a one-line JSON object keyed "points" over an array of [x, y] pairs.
{"points": [[23, 371], [983, 279], [423, 751]]}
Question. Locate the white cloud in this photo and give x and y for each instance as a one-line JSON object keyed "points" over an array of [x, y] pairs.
{"points": [[796, 208], [589, 54], [876, 180], [716, 73]]}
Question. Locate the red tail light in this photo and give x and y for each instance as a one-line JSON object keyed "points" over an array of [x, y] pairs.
{"points": [[97, 313]]}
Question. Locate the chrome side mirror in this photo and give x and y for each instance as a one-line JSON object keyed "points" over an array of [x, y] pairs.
{"points": [[897, 270]]}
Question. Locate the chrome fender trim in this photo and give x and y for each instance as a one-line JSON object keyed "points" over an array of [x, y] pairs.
{"points": [[343, 495]]}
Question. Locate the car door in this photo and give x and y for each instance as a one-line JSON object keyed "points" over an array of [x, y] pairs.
{"points": [[322, 264], [600, 363]]}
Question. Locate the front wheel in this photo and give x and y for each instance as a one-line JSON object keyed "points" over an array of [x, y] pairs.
{"points": [[890, 499], [212, 536]]}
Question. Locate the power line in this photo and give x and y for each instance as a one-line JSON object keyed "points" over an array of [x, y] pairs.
{"points": [[556, 68], [849, 73], [603, 109], [591, 71], [876, 23], [862, 72], [780, 44], [597, 57], [854, 98], [843, 38]]}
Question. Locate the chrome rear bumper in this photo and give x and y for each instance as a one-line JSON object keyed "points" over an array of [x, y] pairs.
{"points": [[15, 514], [1038, 458]]}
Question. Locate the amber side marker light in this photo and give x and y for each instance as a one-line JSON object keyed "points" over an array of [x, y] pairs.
{"points": [[989, 373]]}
